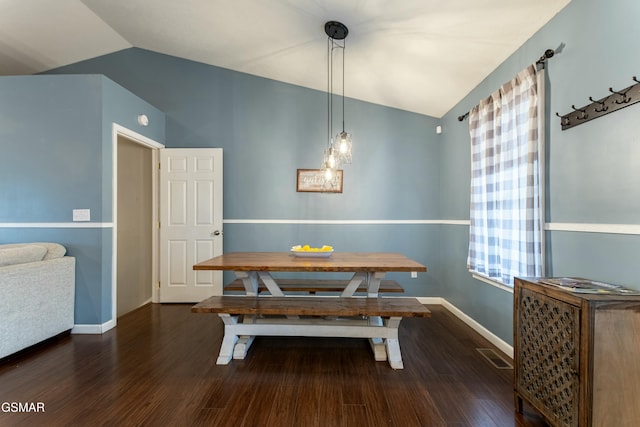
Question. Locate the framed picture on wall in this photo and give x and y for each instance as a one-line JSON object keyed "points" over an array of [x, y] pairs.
{"points": [[314, 181]]}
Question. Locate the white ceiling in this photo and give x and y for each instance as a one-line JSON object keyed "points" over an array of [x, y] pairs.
{"points": [[417, 55]]}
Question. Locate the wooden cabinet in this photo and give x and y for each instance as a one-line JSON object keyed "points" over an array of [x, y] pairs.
{"points": [[577, 356]]}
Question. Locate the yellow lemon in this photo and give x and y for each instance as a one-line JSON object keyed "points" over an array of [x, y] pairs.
{"points": [[308, 248]]}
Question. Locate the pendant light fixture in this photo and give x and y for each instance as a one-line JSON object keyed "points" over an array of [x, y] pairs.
{"points": [[338, 151]]}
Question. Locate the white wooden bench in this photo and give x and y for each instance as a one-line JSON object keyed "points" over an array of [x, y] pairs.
{"points": [[375, 318]]}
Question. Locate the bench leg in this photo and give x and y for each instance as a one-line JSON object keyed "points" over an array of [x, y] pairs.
{"points": [[392, 344], [232, 347], [229, 340]]}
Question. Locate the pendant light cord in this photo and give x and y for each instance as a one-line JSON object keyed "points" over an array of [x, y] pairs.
{"points": [[329, 100], [344, 47], [331, 45]]}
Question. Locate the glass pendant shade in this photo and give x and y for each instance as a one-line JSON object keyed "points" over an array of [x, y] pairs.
{"points": [[343, 147], [328, 174], [330, 158], [329, 166]]}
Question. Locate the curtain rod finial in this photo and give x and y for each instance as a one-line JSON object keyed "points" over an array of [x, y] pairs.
{"points": [[547, 55]]}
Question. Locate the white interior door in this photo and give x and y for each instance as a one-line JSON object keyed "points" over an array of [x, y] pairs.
{"points": [[190, 222]]}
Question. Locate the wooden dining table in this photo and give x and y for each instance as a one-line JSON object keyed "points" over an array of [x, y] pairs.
{"points": [[370, 267], [366, 269]]}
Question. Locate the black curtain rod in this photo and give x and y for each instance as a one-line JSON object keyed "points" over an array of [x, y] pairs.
{"points": [[547, 55], [464, 116]]}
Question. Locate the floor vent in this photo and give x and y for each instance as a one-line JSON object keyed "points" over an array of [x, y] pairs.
{"points": [[494, 358]]}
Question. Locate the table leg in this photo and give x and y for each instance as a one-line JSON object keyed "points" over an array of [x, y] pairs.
{"points": [[271, 284], [249, 280], [242, 346], [373, 283], [273, 287], [377, 344], [353, 285], [244, 342], [229, 340], [393, 345]]}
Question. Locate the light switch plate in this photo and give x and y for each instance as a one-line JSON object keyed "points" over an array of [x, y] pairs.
{"points": [[414, 274], [82, 215]]}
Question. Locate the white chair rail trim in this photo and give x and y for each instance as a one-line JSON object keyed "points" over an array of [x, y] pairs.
{"points": [[633, 229], [56, 225]]}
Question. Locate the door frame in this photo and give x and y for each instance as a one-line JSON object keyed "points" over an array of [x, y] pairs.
{"points": [[118, 130]]}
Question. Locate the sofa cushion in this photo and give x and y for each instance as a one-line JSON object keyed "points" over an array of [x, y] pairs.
{"points": [[21, 255], [54, 250]]}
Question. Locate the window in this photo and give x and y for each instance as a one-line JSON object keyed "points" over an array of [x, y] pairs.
{"points": [[507, 152]]}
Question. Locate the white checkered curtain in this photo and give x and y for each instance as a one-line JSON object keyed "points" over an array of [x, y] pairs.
{"points": [[506, 231]]}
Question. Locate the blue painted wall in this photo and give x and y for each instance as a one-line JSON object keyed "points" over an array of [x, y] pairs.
{"points": [[55, 140], [593, 170], [49, 123], [267, 130]]}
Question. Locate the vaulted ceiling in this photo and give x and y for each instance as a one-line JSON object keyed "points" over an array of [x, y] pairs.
{"points": [[417, 55]]}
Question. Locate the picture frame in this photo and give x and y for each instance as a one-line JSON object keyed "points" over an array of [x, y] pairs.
{"points": [[313, 181]]}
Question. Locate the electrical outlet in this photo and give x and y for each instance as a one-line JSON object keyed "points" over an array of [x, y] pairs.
{"points": [[414, 274], [81, 215]]}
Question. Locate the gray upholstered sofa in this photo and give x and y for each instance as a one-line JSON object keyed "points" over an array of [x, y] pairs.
{"points": [[37, 293]]}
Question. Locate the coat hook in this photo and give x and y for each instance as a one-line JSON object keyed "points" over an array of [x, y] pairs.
{"points": [[635, 79], [584, 114], [564, 121], [624, 99], [601, 109]]}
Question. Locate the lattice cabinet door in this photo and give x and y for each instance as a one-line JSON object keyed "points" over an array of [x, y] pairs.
{"points": [[547, 362], [577, 355]]}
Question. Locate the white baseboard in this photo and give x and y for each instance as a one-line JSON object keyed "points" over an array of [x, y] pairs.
{"points": [[93, 329], [431, 300], [492, 338]]}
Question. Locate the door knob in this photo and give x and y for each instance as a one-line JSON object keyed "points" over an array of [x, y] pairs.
{"points": [[216, 233]]}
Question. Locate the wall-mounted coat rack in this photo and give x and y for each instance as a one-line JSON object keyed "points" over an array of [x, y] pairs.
{"points": [[598, 108]]}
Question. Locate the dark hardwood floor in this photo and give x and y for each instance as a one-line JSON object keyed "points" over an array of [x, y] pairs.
{"points": [[157, 368]]}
